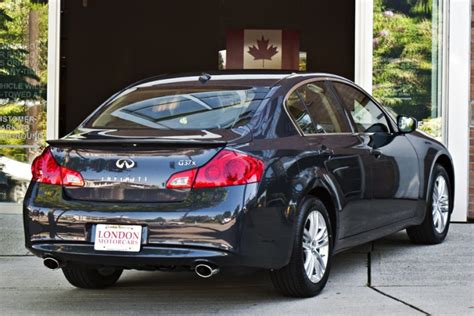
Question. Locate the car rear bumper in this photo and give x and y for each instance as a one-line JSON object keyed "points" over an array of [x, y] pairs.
{"points": [[229, 230], [149, 257]]}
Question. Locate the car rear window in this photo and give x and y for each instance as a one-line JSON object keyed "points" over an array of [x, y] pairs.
{"points": [[180, 108]]}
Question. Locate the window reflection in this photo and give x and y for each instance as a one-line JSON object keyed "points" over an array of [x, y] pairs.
{"points": [[23, 76], [407, 59], [165, 108]]}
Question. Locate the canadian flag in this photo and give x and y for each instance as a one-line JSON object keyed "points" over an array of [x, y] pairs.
{"points": [[262, 49]]}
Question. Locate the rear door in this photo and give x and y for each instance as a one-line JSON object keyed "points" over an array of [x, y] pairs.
{"points": [[393, 161], [333, 147]]}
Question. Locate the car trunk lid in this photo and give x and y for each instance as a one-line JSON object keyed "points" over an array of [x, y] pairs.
{"points": [[136, 169]]}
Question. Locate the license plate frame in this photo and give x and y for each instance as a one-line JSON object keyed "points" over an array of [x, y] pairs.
{"points": [[118, 237]]}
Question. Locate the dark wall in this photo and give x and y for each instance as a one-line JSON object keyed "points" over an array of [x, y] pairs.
{"points": [[109, 44]]}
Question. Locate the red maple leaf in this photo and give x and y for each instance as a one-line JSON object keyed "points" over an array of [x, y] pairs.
{"points": [[262, 51]]}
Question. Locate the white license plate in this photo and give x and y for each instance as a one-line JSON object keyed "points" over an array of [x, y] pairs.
{"points": [[118, 237]]}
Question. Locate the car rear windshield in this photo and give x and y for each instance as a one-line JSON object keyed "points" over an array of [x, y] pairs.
{"points": [[177, 108]]}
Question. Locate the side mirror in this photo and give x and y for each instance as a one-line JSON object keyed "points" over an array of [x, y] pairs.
{"points": [[406, 124]]}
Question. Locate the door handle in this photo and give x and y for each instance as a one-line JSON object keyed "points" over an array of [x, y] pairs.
{"points": [[377, 154], [324, 150]]}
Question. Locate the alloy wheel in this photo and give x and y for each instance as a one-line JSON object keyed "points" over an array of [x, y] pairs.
{"points": [[315, 246], [440, 206]]}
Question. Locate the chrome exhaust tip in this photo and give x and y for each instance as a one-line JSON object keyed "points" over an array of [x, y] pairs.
{"points": [[205, 270], [51, 263]]}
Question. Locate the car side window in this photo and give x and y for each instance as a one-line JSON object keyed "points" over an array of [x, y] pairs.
{"points": [[299, 113], [367, 116], [322, 108]]}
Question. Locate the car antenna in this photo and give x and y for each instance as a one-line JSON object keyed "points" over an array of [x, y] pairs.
{"points": [[204, 77]]}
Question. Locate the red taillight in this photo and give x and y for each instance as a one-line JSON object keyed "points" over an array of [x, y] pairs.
{"points": [[71, 178], [227, 168], [45, 169], [182, 180]]}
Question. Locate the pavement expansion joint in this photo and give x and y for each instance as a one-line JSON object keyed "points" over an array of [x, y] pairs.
{"points": [[369, 283]]}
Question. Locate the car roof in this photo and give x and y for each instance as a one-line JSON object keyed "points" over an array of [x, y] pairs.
{"points": [[252, 78]]}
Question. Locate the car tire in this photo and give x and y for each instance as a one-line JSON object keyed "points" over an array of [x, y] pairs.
{"points": [[86, 277], [435, 226], [293, 280]]}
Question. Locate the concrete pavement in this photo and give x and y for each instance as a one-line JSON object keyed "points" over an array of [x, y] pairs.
{"points": [[389, 276]]}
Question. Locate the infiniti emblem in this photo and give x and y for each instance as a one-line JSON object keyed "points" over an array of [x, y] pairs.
{"points": [[125, 163]]}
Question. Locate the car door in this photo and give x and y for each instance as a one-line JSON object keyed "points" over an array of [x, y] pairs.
{"points": [[332, 146], [393, 161]]}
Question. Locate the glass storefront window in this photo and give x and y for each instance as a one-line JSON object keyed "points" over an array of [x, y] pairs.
{"points": [[23, 71], [407, 58]]}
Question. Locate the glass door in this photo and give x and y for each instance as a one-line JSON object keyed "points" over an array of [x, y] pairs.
{"points": [[408, 54], [23, 77]]}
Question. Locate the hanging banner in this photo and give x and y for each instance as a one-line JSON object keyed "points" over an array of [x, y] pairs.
{"points": [[262, 49]]}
